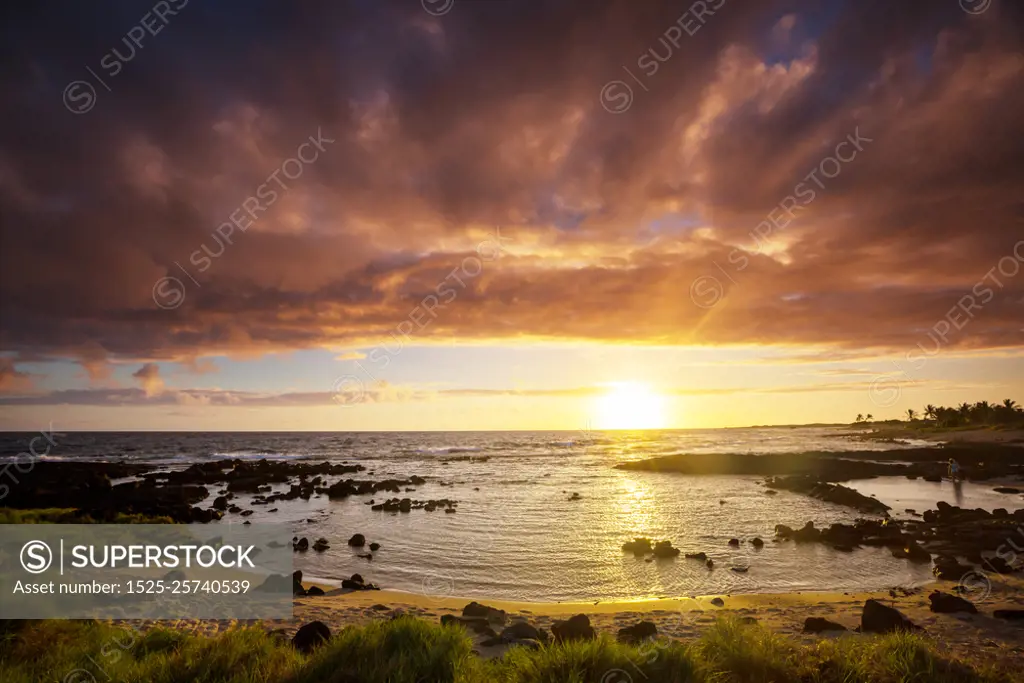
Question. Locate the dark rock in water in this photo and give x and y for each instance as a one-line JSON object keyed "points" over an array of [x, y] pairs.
{"points": [[740, 570], [709, 563], [843, 548], [807, 534], [311, 636], [321, 545], [950, 569], [757, 542], [878, 618], [934, 478], [638, 546], [475, 609], [356, 583], [638, 632], [575, 628], [365, 556], [913, 552], [246, 513], [314, 590], [522, 630], [734, 542], [718, 602], [301, 546], [664, 549], [1006, 489], [575, 496], [220, 503], [375, 547], [357, 541], [297, 588], [944, 603], [828, 492], [246, 523], [697, 556], [821, 625], [1009, 614]]}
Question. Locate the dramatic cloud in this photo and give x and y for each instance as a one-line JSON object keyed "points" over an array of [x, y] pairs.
{"points": [[130, 231], [149, 377], [13, 380]]}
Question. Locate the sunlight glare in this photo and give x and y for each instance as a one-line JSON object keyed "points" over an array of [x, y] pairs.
{"points": [[630, 405]]}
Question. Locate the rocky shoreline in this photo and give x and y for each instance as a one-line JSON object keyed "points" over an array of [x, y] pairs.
{"points": [[978, 462], [149, 490]]}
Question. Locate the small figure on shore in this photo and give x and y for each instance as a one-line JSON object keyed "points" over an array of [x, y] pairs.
{"points": [[954, 470]]}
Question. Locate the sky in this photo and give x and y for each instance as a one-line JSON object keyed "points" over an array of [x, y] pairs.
{"points": [[508, 214]]}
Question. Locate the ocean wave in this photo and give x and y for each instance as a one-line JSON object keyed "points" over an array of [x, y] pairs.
{"points": [[444, 450]]}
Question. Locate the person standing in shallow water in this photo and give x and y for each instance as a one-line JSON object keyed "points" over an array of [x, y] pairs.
{"points": [[954, 470]]}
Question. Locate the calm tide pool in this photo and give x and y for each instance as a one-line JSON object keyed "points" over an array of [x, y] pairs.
{"points": [[517, 535]]}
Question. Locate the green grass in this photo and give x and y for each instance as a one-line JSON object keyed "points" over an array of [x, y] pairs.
{"points": [[408, 650], [72, 516]]}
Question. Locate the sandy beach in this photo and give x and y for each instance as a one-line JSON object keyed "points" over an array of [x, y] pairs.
{"points": [[978, 637]]}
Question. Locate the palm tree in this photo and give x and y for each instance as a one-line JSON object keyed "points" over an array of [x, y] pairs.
{"points": [[929, 412], [869, 417], [860, 418], [911, 415], [1010, 404]]}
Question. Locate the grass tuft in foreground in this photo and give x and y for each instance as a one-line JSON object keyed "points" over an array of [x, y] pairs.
{"points": [[408, 650]]}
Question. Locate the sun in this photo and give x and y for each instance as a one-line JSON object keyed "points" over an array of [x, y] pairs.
{"points": [[630, 405]]}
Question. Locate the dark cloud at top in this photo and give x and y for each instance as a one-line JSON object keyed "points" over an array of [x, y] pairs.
{"points": [[444, 127]]}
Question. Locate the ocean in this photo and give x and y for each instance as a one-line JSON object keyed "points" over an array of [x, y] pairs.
{"points": [[518, 536]]}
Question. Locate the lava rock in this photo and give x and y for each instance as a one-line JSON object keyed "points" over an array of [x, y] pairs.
{"points": [[1009, 614], [477, 610], [357, 541], [311, 636], [574, 628], [944, 603], [638, 546], [664, 549], [821, 625], [877, 618], [638, 632]]}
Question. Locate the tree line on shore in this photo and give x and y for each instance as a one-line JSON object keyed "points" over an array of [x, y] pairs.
{"points": [[980, 414]]}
